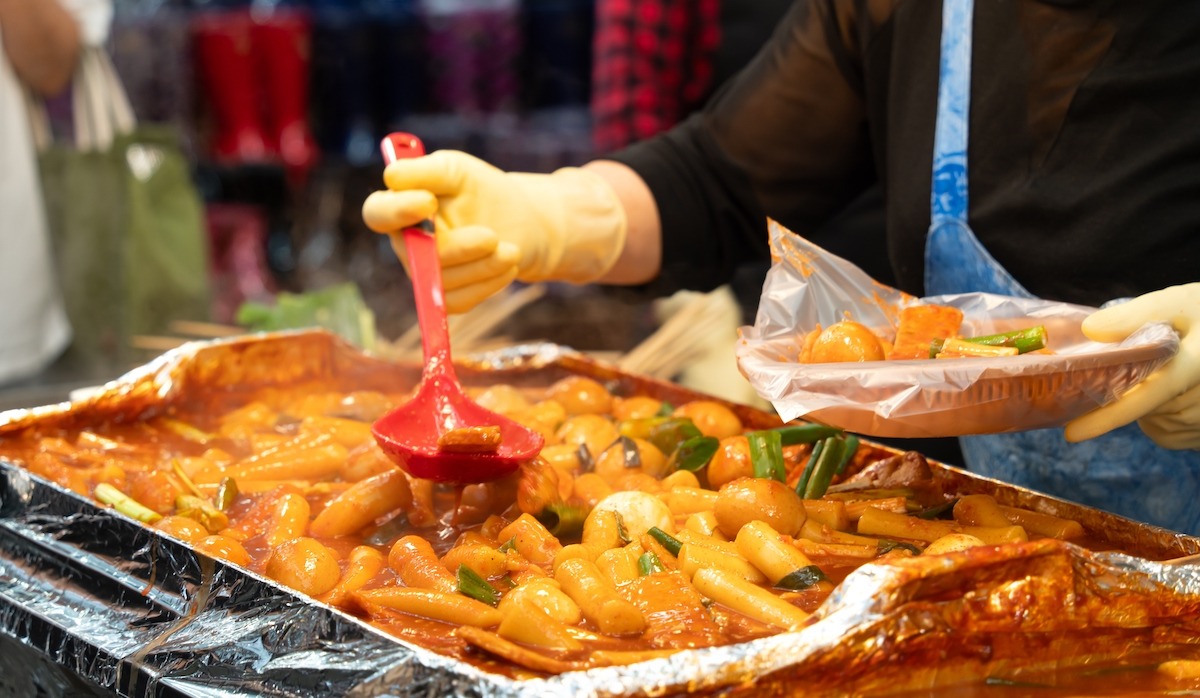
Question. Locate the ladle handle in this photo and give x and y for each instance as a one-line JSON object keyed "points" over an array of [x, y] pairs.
{"points": [[425, 268], [426, 271]]}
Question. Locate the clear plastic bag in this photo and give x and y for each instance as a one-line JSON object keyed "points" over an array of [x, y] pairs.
{"points": [[807, 286]]}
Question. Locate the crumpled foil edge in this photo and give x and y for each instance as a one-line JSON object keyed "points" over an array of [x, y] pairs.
{"points": [[130, 610]]}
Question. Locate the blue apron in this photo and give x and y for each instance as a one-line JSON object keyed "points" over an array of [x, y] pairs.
{"points": [[1123, 471]]}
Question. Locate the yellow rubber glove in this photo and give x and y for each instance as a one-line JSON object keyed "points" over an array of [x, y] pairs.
{"points": [[495, 226], [1166, 404]]}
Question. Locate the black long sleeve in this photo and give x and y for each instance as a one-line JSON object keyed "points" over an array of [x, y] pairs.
{"points": [[1084, 151]]}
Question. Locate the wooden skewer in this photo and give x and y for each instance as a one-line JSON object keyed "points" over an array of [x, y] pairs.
{"points": [[408, 342], [187, 331], [205, 329], [156, 343], [671, 346], [473, 326], [471, 329]]}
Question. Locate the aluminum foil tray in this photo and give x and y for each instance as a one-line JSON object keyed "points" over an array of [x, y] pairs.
{"points": [[93, 603]]}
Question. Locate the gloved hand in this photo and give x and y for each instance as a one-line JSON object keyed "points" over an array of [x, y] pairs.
{"points": [[1167, 403], [494, 226]]}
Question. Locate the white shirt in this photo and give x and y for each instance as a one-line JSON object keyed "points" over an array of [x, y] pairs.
{"points": [[33, 323]]}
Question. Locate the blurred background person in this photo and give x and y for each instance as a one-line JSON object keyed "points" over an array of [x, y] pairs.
{"points": [[40, 41]]}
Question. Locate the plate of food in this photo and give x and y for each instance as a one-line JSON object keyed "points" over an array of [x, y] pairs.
{"points": [[831, 344]]}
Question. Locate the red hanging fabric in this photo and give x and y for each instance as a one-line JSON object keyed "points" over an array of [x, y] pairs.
{"points": [[652, 65]]}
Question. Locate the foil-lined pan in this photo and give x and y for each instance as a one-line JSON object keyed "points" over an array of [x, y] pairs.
{"points": [[94, 602]]}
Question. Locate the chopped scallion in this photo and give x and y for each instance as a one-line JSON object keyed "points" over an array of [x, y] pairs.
{"points": [[695, 453], [766, 454], [648, 563], [472, 585], [802, 579], [125, 504], [668, 541], [794, 434]]}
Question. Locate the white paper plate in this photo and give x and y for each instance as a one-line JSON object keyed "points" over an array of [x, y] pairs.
{"points": [[953, 397], [807, 286]]}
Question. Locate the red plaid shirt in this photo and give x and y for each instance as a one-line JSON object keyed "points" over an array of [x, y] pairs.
{"points": [[652, 65]]}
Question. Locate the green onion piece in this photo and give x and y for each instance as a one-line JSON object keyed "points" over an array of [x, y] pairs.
{"points": [[201, 510], [802, 579], [825, 468], [666, 409], [938, 511], [884, 546], [648, 563], [183, 477], [694, 454], [811, 465], [668, 541], [510, 544], [563, 520], [227, 493], [125, 504], [851, 447], [387, 533], [962, 348], [805, 433], [1035, 340], [667, 435], [639, 428], [470, 584], [766, 454], [1025, 340]]}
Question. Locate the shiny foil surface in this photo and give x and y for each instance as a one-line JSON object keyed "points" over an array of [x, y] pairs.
{"points": [[94, 602]]}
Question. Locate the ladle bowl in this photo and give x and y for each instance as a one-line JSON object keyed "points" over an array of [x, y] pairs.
{"points": [[411, 434]]}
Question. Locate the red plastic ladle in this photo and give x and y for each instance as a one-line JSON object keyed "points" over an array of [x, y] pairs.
{"points": [[409, 434]]}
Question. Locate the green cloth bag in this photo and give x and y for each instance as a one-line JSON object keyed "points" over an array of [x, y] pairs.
{"points": [[126, 223]]}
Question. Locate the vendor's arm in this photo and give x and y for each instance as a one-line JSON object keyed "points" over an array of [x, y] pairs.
{"points": [[641, 256], [787, 139], [42, 42]]}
